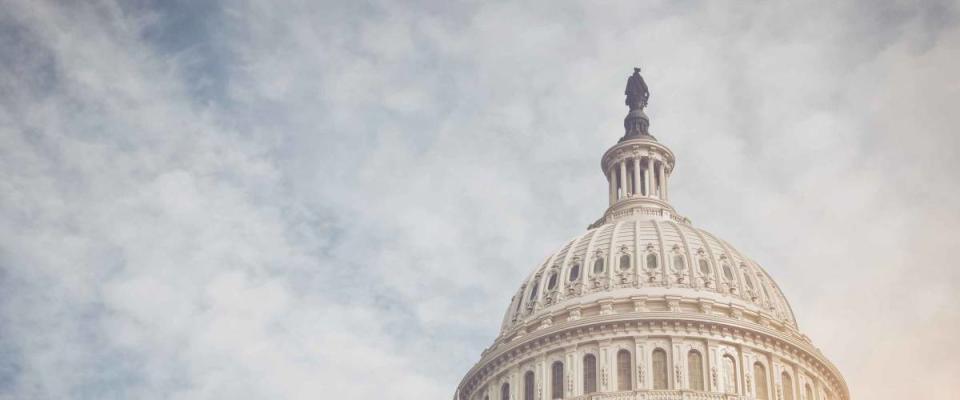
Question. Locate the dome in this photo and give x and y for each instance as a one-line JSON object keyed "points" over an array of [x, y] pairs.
{"points": [[649, 259], [645, 306]]}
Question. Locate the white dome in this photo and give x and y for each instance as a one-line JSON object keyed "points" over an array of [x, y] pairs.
{"points": [[646, 306], [675, 260]]}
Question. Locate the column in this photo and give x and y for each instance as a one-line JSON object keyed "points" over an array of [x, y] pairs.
{"points": [[612, 178], [636, 175], [648, 177], [666, 196], [623, 179], [641, 369], [603, 365], [663, 181]]}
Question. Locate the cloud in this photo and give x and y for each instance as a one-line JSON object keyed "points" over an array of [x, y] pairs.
{"points": [[337, 199]]}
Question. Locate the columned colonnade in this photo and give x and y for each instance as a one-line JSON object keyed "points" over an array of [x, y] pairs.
{"points": [[637, 176], [690, 365]]}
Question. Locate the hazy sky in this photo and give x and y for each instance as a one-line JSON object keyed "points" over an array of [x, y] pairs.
{"points": [[304, 199]]}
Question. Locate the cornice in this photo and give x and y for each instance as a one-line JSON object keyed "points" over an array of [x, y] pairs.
{"points": [[637, 148]]}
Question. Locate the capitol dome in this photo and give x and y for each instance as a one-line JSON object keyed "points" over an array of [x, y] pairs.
{"points": [[646, 306]]}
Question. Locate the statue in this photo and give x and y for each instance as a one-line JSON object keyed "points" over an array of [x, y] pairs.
{"points": [[636, 124], [637, 92]]}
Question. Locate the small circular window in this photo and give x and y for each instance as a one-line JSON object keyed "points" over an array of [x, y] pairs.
{"points": [[727, 272], [704, 267], [574, 272]]}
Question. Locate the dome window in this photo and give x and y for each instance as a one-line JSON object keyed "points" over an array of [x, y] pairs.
{"points": [[660, 375], [729, 374], [704, 266], [528, 382], [505, 391], [624, 262], [589, 373], [598, 266], [787, 382], [552, 281], [678, 263], [727, 272], [624, 367], [749, 282], [575, 272], [556, 384], [533, 293], [760, 380], [652, 261], [695, 370]]}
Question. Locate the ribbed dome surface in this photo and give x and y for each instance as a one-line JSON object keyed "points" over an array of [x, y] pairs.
{"points": [[652, 257]]}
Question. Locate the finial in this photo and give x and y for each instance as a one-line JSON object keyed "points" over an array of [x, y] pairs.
{"points": [[636, 123]]}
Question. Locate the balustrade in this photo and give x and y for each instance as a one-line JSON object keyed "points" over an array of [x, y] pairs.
{"points": [[659, 395]]}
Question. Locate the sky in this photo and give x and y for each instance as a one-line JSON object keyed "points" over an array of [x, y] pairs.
{"points": [[309, 199]]}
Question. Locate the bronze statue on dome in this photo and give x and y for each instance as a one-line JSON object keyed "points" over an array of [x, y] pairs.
{"points": [[637, 92]]}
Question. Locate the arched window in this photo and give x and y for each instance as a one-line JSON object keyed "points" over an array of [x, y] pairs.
{"points": [[729, 374], [624, 262], [519, 301], [652, 261], [678, 263], [552, 281], [747, 280], [574, 272], [598, 266], [624, 376], [533, 293], [704, 266], [808, 392], [787, 383], [695, 370], [556, 380], [760, 378], [660, 374], [505, 391], [589, 373], [528, 386]]}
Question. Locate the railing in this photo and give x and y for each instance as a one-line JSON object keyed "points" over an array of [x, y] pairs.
{"points": [[659, 395], [656, 212]]}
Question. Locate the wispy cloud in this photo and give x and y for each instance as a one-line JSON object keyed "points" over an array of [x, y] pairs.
{"points": [[337, 199]]}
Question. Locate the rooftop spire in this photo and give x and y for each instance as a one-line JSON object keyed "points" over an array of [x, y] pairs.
{"points": [[636, 123]]}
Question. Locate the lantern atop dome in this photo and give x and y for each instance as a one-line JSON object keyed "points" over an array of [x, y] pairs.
{"points": [[638, 167]]}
